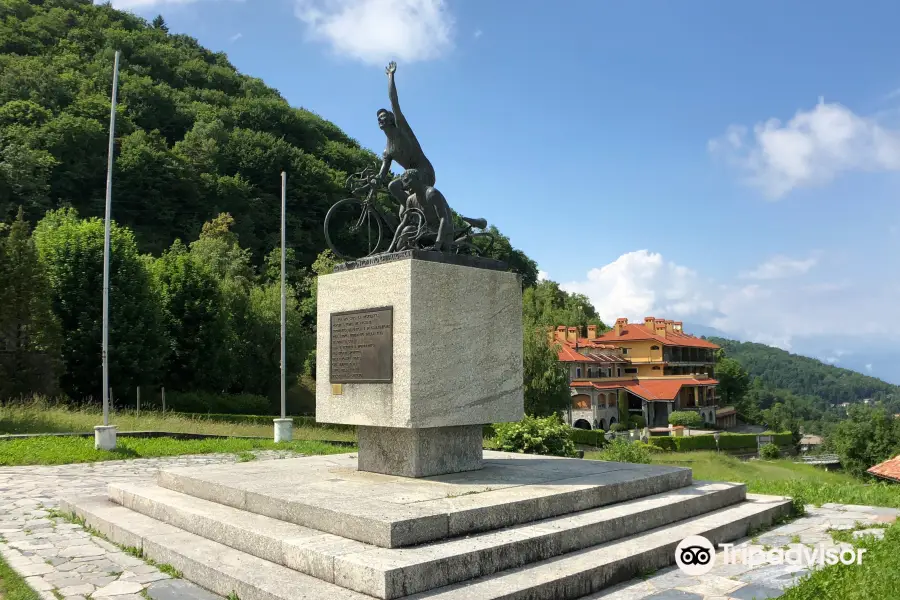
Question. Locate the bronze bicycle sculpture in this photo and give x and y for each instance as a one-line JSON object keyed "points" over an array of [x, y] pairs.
{"points": [[358, 227]]}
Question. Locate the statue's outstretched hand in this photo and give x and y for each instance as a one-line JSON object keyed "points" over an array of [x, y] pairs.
{"points": [[391, 68]]}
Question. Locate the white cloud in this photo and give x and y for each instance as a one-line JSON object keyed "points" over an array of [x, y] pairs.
{"points": [[478, 33], [542, 275], [779, 267], [638, 283], [772, 311], [869, 367], [236, 37], [811, 149], [377, 31]]}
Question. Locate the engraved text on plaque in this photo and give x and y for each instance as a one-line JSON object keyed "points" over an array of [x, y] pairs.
{"points": [[362, 346]]}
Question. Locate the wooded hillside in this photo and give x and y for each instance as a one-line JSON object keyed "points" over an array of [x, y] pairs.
{"points": [[195, 138], [802, 375]]}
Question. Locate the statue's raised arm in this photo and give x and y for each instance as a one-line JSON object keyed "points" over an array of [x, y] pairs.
{"points": [[392, 94]]}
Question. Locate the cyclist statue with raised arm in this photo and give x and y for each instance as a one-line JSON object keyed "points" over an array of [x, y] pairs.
{"points": [[402, 146]]}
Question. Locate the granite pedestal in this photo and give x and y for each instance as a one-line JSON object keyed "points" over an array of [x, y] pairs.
{"points": [[419, 350]]}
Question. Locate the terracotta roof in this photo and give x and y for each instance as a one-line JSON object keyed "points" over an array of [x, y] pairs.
{"points": [[663, 389], [612, 385], [726, 412], [598, 353], [637, 331], [567, 353], [889, 469]]}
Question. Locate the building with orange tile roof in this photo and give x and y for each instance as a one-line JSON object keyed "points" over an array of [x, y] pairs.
{"points": [[654, 365], [889, 469]]}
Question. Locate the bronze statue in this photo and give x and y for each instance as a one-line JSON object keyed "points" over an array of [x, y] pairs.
{"points": [[357, 227], [402, 146], [426, 220]]}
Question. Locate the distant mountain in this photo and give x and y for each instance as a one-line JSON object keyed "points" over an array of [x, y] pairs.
{"points": [[704, 331], [804, 376], [874, 357]]}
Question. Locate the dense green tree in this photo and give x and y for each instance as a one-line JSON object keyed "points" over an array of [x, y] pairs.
{"points": [[71, 253], [546, 380], [546, 304], [195, 322], [868, 436], [29, 332], [734, 382]]}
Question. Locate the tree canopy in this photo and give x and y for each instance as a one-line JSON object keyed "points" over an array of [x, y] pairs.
{"points": [[195, 138]]}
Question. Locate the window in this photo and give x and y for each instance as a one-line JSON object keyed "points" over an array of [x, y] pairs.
{"points": [[656, 368], [630, 370], [578, 372], [609, 372], [654, 347], [618, 371], [624, 350]]}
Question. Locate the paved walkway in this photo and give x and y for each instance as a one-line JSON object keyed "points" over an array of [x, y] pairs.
{"points": [[61, 560]]}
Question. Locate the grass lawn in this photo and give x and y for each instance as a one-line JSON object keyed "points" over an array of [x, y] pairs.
{"points": [[877, 578], [13, 587], [61, 450], [42, 417], [782, 478]]}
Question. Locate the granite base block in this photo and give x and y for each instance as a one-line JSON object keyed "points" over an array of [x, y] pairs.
{"points": [[421, 452]]}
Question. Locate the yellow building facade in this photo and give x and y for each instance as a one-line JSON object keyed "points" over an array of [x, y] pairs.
{"points": [[654, 365]]}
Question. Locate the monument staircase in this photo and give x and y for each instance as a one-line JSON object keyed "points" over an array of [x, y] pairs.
{"points": [[522, 527]]}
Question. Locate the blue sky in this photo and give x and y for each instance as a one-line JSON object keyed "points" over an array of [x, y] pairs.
{"points": [[733, 165]]}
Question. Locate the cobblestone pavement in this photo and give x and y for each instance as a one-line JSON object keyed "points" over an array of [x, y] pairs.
{"points": [[61, 560]]}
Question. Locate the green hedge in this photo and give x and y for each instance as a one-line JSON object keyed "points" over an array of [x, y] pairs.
{"points": [[664, 442], [727, 441], [589, 437]]}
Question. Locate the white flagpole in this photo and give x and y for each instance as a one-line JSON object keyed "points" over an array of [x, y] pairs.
{"points": [[283, 293], [109, 169], [283, 426]]}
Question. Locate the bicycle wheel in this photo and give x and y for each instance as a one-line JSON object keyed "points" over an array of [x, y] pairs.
{"points": [[467, 248], [353, 229]]}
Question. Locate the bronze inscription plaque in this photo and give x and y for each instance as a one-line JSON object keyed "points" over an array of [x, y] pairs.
{"points": [[362, 346]]}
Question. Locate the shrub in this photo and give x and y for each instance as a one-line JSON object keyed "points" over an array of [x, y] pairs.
{"points": [[695, 442], [769, 452], [662, 442], [620, 450], [536, 435], [589, 437], [685, 418], [637, 421], [619, 427]]}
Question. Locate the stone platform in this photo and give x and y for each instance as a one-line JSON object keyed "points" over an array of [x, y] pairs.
{"points": [[522, 527]]}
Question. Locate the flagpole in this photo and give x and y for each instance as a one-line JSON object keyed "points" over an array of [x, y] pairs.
{"points": [[283, 294], [106, 438], [283, 426]]}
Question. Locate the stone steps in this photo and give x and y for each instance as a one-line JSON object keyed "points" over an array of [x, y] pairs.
{"points": [[330, 494], [223, 569], [393, 573], [585, 572]]}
